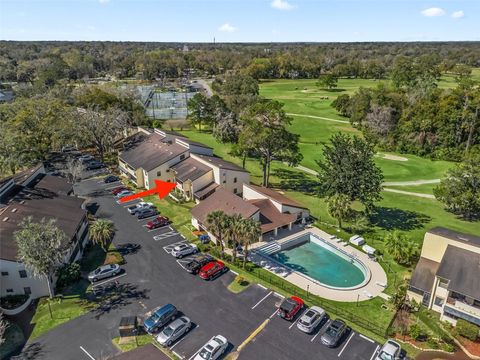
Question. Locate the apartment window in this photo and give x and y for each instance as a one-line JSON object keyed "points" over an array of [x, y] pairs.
{"points": [[4, 273], [9, 290], [439, 301], [27, 290], [443, 283], [235, 180], [182, 156], [159, 173], [224, 181], [23, 273], [235, 191], [168, 170]]}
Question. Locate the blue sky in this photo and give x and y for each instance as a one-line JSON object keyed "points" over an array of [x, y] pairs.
{"points": [[240, 20]]}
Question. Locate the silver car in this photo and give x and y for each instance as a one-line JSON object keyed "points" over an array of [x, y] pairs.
{"points": [[310, 319], [174, 331], [391, 350], [103, 272], [141, 205], [182, 250]]}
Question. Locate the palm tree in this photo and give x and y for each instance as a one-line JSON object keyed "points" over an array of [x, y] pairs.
{"points": [[400, 247], [234, 233], [217, 222], [101, 232], [338, 206], [252, 233]]}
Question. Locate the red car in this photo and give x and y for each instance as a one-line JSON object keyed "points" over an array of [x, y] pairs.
{"points": [[159, 221], [290, 307], [119, 189], [212, 269]]}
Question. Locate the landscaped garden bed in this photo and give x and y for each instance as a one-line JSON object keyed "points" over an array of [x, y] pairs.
{"points": [[10, 302]]}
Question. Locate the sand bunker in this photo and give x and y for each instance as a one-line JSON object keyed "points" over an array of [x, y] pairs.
{"points": [[393, 157]]}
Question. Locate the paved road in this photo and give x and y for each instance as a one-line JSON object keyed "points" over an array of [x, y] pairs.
{"points": [[427, 196], [320, 117], [153, 277]]}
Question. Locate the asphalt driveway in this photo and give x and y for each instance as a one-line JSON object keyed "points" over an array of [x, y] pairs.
{"points": [[153, 277]]}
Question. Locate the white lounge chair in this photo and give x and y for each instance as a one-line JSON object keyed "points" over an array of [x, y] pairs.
{"points": [[381, 284], [367, 294]]}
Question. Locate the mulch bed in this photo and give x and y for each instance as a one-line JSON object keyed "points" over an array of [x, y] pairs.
{"points": [[473, 347]]}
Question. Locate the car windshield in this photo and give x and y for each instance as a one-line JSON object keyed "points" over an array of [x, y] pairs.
{"points": [[205, 353], [98, 270], [385, 356], [332, 331], [168, 331]]}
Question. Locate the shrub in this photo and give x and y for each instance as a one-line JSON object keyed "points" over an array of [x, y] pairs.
{"points": [[467, 329], [13, 301], [432, 343], [448, 347], [415, 332], [68, 274], [240, 280]]}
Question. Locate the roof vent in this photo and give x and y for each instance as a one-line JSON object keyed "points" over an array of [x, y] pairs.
{"points": [[5, 219], [14, 210]]}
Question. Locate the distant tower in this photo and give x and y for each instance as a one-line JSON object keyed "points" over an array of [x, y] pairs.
{"points": [[214, 40]]}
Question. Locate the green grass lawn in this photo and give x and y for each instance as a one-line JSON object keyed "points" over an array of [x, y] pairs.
{"points": [[314, 132]]}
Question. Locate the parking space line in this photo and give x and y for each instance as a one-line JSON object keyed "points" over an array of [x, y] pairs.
{"points": [[87, 353], [233, 272], [165, 236], [196, 352], [147, 218], [366, 338], [261, 286], [184, 336], [279, 295], [298, 318], [110, 187], [106, 281], [159, 228], [375, 352], [178, 355], [315, 336], [271, 316], [344, 346], [261, 300]]}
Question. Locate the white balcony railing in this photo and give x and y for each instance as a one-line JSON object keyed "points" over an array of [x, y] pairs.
{"points": [[472, 310]]}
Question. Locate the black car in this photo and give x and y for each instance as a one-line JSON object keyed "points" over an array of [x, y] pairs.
{"points": [[128, 248], [110, 179], [94, 165], [334, 333], [197, 262]]}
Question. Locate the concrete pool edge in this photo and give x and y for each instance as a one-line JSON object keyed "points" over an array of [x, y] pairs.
{"points": [[294, 242], [369, 291]]}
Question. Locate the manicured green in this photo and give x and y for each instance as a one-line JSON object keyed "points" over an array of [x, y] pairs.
{"points": [[63, 309], [238, 284], [140, 341]]}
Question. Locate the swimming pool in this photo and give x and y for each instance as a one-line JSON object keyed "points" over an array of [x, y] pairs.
{"points": [[322, 262]]}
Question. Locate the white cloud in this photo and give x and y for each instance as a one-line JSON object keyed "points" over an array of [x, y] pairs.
{"points": [[434, 11], [103, 1], [458, 14], [281, 5], [227, 28]]}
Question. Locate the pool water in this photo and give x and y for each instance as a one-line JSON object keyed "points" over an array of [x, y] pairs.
{"points": [[322, 264]]}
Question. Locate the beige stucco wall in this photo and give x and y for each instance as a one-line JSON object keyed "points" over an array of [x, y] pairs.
{"points": [[202, 181], [166, 174], [413, 296], [434, 246]]}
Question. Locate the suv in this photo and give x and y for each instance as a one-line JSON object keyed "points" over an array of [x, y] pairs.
{"points": [[158, 222], [146, 212], [290, 307], [334, 333], [197, 262], [391, 350], [103, 272], [159, 317], [212, 270], [182, 250], [141, 205], [310, 319]]}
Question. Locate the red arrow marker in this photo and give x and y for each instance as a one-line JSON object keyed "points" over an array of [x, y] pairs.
{"points": [[162, 188]]}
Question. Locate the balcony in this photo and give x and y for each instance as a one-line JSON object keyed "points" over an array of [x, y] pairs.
{"points": [[466, 308]]}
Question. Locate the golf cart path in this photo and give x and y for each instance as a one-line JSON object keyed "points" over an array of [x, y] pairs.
{"points": [[393, 183], [320, 117]]}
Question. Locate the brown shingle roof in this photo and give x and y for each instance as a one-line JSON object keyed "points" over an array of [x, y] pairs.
{"points": [[270, 217], [190, 169], [54, 184], [454, 235], [220, 163], [38, 203], [151, 153], [276, 196], [223, 200], [424, 274]]}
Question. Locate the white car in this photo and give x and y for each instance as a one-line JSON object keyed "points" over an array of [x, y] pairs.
{"points": [[182, 250], [141, 205], [391, 350], [213, 349], [310, 319], [124, 193]]}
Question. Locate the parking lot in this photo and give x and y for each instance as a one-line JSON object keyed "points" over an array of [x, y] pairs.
{"points": [[154, 278]]}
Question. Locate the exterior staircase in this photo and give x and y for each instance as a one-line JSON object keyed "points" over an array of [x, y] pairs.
{"points": [[269, 249]]}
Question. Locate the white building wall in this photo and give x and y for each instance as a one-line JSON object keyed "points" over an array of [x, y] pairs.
{"points": [[228, 180], [14, 282], [302, 213], [250, 194], [202, 181]]}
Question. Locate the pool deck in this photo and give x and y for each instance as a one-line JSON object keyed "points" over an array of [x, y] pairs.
{"points": [[370, 290]]}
